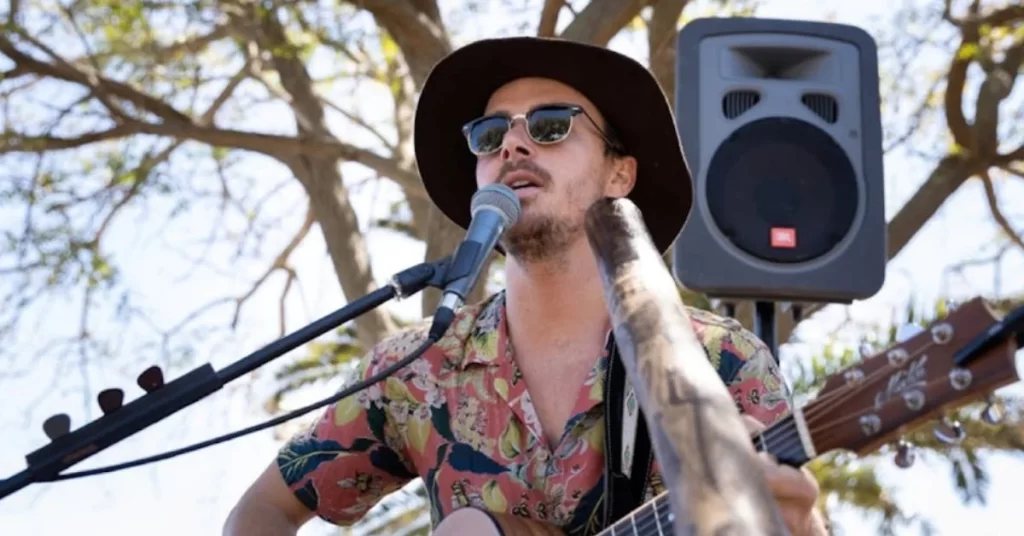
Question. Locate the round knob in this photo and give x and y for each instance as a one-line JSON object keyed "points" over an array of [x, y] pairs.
{"points": [[151, 379], [905, 455], [57, 426], [110, 400]]}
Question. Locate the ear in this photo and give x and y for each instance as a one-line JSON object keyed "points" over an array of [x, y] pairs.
{"points": [[623, 177]]}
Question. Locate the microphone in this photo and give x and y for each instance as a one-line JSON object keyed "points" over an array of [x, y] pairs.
{"points": [[495, 208]]}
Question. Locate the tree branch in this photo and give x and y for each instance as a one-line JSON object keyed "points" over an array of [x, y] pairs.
{"points": [[99, 84], [549, 17], [279, 263], [951, 172], [192, 46], [953, 98], [284, 147], [12, 143], [661, 43], [320, 177], [601, 20], [423, 40], [997, 213], [998, 17], [1007, 168], [997, 85]]}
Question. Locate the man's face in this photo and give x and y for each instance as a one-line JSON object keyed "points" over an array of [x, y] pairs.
{"points": [[566, 177]]}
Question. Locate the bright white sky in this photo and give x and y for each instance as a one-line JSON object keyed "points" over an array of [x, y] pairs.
{"points": [[192, 494]]}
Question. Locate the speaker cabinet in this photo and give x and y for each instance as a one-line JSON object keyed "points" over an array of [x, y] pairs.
{"points": [[780, 125]]}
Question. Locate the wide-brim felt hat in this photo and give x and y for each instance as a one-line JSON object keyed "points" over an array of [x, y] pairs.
{"points": [[623, 90]]}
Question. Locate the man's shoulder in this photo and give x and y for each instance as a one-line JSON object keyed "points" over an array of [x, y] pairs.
{"points": [[725, 338]]}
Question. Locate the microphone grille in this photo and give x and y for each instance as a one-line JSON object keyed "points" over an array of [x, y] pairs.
{"points": [[500, 198]]}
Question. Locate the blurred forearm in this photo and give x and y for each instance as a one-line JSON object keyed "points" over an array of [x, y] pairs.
{"points": [[250, 519]]}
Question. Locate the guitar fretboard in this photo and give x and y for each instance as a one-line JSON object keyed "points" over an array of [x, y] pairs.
{"points": [[781, 440]]}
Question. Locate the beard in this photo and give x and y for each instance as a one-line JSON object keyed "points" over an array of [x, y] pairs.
{"points": [[543, 238]]}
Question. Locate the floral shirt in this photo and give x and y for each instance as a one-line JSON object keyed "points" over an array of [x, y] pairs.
{"points": [[460, 417]]}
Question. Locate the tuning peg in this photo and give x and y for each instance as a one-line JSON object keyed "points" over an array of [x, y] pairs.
{"points": [[907, 331], [949, 431], [950, 305], [151, 379], [866, 350], [905, 454], [993, 412], [57, 426], [110, 400]]}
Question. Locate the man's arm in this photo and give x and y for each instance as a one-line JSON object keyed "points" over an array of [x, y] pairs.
{"points": [[753, 377], [267, 508], [337, 469]]}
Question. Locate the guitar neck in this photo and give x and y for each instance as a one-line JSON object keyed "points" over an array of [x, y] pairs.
{"points": [[787, 441]]}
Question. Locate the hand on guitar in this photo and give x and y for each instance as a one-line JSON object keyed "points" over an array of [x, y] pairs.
{"points": [[796, 491]]}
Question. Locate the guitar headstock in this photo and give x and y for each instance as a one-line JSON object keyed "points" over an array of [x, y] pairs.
{"points": [[893, 391]]}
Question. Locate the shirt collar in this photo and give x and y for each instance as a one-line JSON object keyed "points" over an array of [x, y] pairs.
{"points": [[482, 331]]}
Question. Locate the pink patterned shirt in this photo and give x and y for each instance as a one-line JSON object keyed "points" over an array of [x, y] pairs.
{"points": [[460, 418]]}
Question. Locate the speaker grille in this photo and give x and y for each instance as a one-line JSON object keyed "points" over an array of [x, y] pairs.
{"points": [[736, 103], [782, 190], [825, 106]]}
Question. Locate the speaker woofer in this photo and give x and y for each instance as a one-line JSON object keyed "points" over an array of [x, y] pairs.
{"points": [[782, 190]]}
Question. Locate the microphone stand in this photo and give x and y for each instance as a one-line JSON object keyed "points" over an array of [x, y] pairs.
{"points": [[67, 448]]}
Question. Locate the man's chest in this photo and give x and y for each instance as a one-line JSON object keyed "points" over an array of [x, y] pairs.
{"points": [[487, 448], [558, 393]]}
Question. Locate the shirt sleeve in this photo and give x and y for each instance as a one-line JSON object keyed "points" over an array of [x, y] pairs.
{"points": [[745, 365], [352, 455], [753, 377]]}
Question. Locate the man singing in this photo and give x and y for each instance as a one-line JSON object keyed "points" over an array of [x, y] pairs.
{"points": [[507, 411]]}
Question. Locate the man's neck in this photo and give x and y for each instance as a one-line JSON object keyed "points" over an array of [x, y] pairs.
{"points": [[556, 303]]}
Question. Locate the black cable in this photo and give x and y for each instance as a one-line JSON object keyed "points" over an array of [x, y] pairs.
{"points": [[351, 390]]}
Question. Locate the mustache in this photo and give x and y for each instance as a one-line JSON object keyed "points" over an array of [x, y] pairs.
{"points": [[524, 165]]}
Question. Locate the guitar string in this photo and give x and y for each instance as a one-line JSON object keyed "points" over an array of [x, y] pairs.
{"points": [[848, 418], [658, 511], [781, 436], [848, 391]]}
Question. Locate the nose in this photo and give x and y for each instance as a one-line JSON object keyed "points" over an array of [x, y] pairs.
{"points": [[516, 143]]}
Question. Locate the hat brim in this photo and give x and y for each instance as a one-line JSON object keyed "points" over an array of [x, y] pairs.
{"points": [[624, 91]]}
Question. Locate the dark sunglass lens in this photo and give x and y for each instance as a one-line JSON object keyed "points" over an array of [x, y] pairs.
{"points": [[485, 135], [548, 125]]}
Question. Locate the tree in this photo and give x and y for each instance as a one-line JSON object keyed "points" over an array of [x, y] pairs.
{"points": [[115, 108]]}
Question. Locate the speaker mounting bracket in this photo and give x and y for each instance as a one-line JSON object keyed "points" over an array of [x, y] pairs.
{"points": [[765, 321], [766, 326]]}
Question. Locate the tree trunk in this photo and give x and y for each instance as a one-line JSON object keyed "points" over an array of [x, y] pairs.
{"points": [[321, 179], [345, 243]]}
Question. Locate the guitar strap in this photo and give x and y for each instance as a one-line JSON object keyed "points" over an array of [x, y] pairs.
{"points": [[628, 455]]}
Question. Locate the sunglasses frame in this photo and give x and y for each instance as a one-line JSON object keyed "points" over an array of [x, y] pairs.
{"points": [[510, 121]]}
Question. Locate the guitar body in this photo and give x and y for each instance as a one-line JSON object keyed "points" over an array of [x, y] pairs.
{"points": [[469, 520]]}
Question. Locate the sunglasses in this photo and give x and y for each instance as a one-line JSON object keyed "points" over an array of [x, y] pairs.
{"points": [[546, 125]]}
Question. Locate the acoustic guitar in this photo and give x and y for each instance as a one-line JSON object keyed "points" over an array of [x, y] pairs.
{"points": [[959, 359]]}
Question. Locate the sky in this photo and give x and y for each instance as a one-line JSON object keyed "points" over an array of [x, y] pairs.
{"points": [[192, 494]]}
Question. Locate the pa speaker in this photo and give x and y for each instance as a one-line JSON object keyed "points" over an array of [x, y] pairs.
{"points": [[779, 121]]}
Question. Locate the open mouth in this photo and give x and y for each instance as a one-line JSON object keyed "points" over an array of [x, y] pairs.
{"points": [[523, 185]]}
